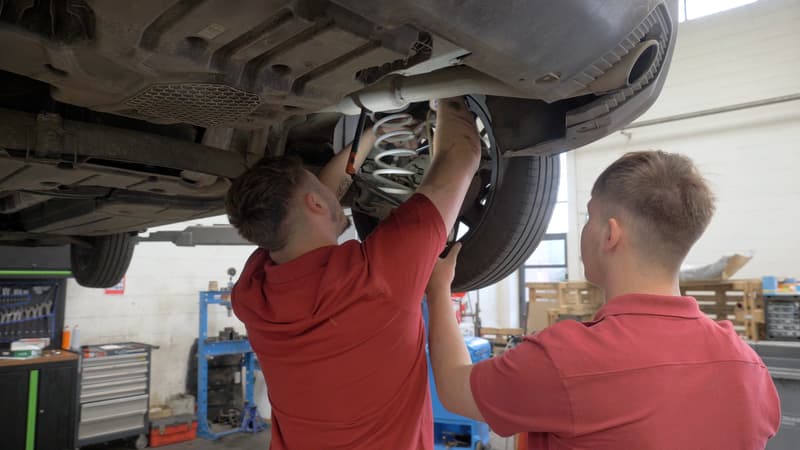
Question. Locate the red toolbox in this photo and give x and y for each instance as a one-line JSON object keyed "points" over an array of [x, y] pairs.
{"points": [[170, 430]]}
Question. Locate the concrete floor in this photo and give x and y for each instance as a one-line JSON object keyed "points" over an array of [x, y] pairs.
{"points": [[238, 441], [499, 443], [248, 441]]}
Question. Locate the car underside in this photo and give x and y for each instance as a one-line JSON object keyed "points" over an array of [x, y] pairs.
{"points": [[116, 117]]}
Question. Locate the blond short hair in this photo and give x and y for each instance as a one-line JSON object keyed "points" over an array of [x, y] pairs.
{"points": [[669, 202]]}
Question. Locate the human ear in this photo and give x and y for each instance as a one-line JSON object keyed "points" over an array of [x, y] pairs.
{"points": [[613, 234], [315, 203]]}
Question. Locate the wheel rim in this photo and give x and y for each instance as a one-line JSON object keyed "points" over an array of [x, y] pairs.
{"points": [[82, 256], [480, 194]]}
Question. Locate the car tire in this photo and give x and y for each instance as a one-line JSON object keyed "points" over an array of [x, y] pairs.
{"points": [[103, 263], [514, 225]]}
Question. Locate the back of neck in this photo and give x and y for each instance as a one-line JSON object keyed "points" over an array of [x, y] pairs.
{"points": [[642, 283], [295, 249]]}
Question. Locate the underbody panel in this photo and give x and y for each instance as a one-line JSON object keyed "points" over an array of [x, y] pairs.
{"points": [[119, 116], [250, 63]]}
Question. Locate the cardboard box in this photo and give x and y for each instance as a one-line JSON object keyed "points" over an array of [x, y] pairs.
{"points": [[537, 314]]}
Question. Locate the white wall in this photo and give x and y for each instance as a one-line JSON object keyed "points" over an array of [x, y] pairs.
{"points": [[499, 305], [750, 157], [160, 304]]}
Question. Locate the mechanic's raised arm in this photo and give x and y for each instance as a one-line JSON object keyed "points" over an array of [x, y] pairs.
{"points": [[334, 174], [404, 247], [457, 152], [520, 390], [450, 360]]}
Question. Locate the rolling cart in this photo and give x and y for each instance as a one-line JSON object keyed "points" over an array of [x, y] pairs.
{"points": [[114, 393]]}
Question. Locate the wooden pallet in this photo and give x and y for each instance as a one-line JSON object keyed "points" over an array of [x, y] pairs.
{"points": [[567, 298], [499, 337], [554, 316], [739, 301], [566, 293]]}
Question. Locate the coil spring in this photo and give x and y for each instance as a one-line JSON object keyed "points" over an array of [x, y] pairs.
{"points": [[400, 140]]}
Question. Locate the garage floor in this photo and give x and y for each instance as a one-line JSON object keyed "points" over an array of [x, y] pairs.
{"points": [[247, 441], [239, 441]]}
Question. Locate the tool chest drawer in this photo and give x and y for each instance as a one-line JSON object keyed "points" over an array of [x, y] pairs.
{"points": [[100, 364], [110, 377], [113, 416], [111, 428], [114, 389], [115, 392]]}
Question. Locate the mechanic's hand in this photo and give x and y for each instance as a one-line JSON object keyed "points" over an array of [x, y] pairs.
{"points": [[455, 126], [443, 272]]}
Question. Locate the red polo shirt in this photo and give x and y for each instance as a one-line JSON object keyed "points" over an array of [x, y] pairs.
{"points": [[340, 337], [650, 372]]}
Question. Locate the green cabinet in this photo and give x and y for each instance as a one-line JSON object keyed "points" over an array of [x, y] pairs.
{"points": [[39, 398]]}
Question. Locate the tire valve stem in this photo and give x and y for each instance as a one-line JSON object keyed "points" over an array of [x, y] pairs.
{"points": [[351, 161]]}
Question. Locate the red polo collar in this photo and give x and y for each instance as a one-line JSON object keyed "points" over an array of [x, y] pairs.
{"points": [[650, 305]]}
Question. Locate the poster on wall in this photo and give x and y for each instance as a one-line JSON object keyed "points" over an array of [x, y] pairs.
{"points": [[118, 289]]}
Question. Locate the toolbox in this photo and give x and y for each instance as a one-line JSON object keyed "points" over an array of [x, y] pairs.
{"points": [[170, 430], [114, 392]]}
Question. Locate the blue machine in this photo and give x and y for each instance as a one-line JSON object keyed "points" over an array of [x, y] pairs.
{"points": [[251, 420], [451, 431]]}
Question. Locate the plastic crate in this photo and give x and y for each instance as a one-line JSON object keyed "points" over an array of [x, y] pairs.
{"points": [[171, 430], [782, 317]]}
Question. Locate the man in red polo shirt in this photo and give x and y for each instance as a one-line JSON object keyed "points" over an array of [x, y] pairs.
{"points": [[338, 328], [651, 371]]}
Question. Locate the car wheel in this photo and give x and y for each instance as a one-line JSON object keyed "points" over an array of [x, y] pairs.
{"points": [[103, 261], [505, 214], [513, 223], [141, 442]]}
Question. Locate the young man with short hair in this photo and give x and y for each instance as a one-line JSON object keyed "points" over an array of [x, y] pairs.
{"points": [[651, 371], [338, 328]]}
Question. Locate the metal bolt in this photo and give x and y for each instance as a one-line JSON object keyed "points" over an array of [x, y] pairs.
{"points": [[548, 77]]}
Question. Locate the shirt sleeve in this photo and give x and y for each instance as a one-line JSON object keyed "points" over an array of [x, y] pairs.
{"points": [[522, 391], [404, 248]]}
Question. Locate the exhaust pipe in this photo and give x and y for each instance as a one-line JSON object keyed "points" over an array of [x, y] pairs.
{"points": [[627, 71], [397, 92]]}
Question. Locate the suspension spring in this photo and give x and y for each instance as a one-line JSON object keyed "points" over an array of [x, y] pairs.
{"points": [[391, 145]]}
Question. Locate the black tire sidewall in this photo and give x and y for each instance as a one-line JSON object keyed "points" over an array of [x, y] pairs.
{"points": [[514, 224], [104, 263]]}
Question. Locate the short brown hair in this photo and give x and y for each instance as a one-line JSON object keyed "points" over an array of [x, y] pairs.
{"points": [[670, 202], [258, 202]]}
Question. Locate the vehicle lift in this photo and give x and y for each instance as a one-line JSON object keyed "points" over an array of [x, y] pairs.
{"points": [[251, 420]]}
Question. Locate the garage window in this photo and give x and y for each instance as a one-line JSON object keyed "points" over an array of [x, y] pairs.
{"points": [[549, 261], [694, 9]]}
